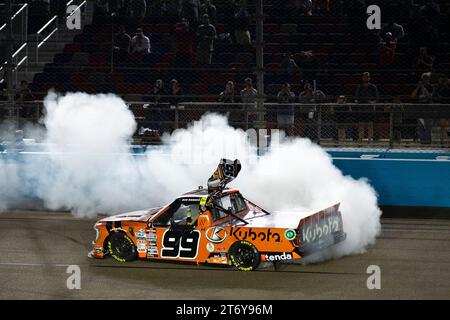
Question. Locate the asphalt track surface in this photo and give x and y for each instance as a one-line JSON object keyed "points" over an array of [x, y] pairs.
{"points": [[37, 247]]}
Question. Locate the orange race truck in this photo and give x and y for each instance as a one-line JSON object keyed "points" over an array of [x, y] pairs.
{"points": [[217, 225]]}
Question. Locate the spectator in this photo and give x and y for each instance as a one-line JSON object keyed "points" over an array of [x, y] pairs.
{"points": [[395, 30], [227, 95], [322, 6], [441, 92], [309, 65], [159, 91], [423, 94], [285, 114], [23, 96], [184, 43], [249, 93], [122, 40], [209, 9], [289, 67], [190, 10], [305, 7], [424, 61], [136, 10], [343, 117], [248, 97], [242, 24], [387, 50], [175, 92], [206, 34], [285, 95], [310, 95], [367, 91], [140, 43], [423, 91]]}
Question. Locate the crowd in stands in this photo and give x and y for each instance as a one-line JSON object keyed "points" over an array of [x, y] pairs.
{"points": [[199, 26], [315, 51]]}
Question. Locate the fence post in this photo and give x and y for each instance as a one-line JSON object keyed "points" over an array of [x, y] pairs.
{"points": [[246, 116], [391, 125], [37, 48], [176, 116], [319, 124]]}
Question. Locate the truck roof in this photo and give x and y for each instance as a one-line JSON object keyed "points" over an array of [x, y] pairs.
{"points": [[198, 193]]}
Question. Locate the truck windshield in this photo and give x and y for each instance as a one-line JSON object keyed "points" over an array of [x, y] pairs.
{"points": [[235, 201]]}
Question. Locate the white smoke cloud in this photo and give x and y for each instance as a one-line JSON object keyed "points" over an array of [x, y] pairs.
{"points": [[88, 168]]}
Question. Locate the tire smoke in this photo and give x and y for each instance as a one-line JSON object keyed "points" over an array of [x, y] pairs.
{"points": [[87, 168]]}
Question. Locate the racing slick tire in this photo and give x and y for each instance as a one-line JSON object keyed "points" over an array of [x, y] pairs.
{"points": [[121, 247], [244, 256]]}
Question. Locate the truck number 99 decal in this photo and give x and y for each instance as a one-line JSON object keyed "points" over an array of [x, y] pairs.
{"points": [[177, 244]]}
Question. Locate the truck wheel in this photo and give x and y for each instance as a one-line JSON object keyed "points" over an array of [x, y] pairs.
{"points": [[244, 255], [121, 247]]}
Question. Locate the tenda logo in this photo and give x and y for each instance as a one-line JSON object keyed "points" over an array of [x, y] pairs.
{"points": [[252, 235], [277, 256]]}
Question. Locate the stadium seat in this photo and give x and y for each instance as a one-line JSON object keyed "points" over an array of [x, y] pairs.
{"points": [[79, 59], [72, 47], [288, 28]]}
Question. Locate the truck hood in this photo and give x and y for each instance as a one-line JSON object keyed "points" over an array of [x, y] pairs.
{"points": [[285, 219], [277, 219], [139, 215]]}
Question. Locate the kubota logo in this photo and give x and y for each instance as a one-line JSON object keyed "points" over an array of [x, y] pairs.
{"points": [[252, 235], [216, 234]]}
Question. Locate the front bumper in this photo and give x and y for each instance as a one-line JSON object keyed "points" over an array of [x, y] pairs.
{"points": [[97, 252]]}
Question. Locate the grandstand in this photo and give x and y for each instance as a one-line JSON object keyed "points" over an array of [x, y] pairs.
{"points": [[336, 38]]}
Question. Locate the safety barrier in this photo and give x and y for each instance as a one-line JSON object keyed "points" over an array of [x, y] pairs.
{"points": [[354, 125]]}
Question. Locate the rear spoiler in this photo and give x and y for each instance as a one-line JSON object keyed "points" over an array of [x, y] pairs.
{"points": [[330, 211], [321, 230]]}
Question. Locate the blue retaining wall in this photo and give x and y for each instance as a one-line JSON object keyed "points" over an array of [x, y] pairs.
{"points": [[400, 177]]}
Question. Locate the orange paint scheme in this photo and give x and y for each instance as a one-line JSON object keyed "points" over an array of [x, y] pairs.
{"points": [[196, 228]]}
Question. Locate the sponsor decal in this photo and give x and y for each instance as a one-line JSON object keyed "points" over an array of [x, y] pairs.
{"points": [[141, 245], [190, 200], [203, 200], [290, 234], [152, 252], [216, 234], [267, 235], [151, 236], [278, 256], [98, 250], [324, 227], [210, 247]]}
